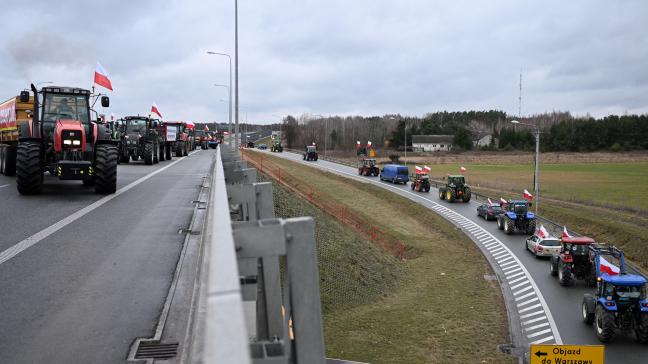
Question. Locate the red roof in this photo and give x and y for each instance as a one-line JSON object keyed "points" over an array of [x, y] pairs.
{"points": [[580, 240]]}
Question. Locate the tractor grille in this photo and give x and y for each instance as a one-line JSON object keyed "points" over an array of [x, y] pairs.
{"points": [[156, 350]]}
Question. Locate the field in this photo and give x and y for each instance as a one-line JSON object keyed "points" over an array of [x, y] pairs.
{"points": [[431, 307]]}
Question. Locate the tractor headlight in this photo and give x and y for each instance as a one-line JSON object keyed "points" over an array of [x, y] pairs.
{"points": [[76, 142], [67, 142]]}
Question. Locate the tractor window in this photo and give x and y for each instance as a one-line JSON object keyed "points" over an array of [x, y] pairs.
{"points": [[520, 209], [63, 106], [628, 291], [136, 124]]}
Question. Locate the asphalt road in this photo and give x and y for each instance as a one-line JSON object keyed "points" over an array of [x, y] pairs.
{"points": [[83, 292], [563, 303]]}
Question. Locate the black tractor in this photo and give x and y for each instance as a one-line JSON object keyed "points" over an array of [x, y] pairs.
{"points": [[516, 218], [61, 139], [310, 154], [139, 140], [455, 189]]}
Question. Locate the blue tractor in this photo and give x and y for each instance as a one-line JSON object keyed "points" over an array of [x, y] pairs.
{"points": [[620, 301], [516, 217]]}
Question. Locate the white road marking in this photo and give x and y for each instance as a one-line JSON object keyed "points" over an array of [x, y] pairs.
{"points": [[517, 280], [518, 268], [501, 254], [4, 186], [532, 314], [516, 275], [506, 262], [451, 215], [39, 236], [528, 329], [544, 340], [529, 308], [521, 290], [539, 333], [533, 320], [519, 284], [525, 296]]}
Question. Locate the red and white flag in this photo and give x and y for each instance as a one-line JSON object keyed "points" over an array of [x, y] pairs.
{"points": [[102, 78], [427, 169], [542, 232], [528, 196], [565, 233], [607, 267], [503, 201], [490, 202], [418, 169], [313, 143], [357, 145], [206, 128], [155, 110], [462, 169], [225, 133], [369, 144], [112, 117]]}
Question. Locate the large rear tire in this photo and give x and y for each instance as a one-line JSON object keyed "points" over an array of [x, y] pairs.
{"points": [[178, 151], [155, 154], [148, 154], [642, 328], [586, 310], [449, 196], [553, 267], [29, 175], [106, 169], [167, 152], [604, 324], [466, 194], [563, 277], [508, 226]]}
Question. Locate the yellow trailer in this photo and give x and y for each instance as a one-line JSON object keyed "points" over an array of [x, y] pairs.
{"points": [[13, 114]]}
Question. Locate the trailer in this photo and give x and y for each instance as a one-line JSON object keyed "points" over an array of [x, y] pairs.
{"points": [[13, 113]]}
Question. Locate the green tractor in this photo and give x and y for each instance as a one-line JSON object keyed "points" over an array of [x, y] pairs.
{"points": [[455, 189], [276, 146]]}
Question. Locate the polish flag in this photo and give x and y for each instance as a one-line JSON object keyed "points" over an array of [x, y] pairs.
{"points": [[313, 143], [225, 133], [490, 202], [357, 145], [154, 109], [112, 117], [190, 125], [418, 169], [206, 128], [462, 169], [369, 144], [503, 201], [607, 267], [427, 169], [542, 232], [565, 233], [101, 77], [528, 196]]}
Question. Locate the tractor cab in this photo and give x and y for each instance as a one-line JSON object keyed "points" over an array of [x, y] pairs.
{"points": [[311, 149], [575, 261], [369, 162], [457, 181], [65, 118], [311, 153], [518, 209]]}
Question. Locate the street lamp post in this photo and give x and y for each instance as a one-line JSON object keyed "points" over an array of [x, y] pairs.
{"points": [[229, 90], [536, 176]]}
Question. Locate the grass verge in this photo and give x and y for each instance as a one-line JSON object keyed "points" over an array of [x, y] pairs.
{"points": [[442, 310]]}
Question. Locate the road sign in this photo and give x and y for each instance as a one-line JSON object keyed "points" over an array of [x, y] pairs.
{"points": [[567, 354]]}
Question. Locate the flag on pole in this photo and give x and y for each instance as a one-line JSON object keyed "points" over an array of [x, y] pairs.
{"points": [[565, 233], [490, 202], [462, 169], [369, 144], [528, 196], [503, 201], [427, 169], [154, 109], [607, 267], [112, 117], [542, 232], [418, 169], [102, 78], [357, 145]]}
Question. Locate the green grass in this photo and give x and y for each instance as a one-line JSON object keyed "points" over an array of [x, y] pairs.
{"points": [[436, 313], [621, 185]]}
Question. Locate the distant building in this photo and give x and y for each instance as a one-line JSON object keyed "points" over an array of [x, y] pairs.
{"points": [[432, 143], [483, 141]]}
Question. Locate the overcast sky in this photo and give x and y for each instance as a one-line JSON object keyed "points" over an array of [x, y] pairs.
{"points": [[367, 57]]}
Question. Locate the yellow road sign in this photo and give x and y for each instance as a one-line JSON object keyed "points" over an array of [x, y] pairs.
{"points": [[372, 152], [567, 354]]}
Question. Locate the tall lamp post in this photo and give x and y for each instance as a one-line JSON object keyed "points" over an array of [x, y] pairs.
{"points": [[536, 176], [229, 90]]}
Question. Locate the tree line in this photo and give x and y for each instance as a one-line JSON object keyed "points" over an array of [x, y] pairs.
{"points": [[560, 131]]}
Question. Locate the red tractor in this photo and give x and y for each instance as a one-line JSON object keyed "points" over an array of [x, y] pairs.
{"points": [[60, 138], [368, 167], [175, 138], [574, 261]]}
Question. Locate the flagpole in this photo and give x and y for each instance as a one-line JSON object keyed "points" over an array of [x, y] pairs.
{"points": [[236, 58]]}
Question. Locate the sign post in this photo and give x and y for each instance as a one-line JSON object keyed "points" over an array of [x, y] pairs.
{"points": [[567, 354]]}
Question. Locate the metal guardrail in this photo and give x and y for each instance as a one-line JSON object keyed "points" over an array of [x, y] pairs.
{"points": [[261, 272]]}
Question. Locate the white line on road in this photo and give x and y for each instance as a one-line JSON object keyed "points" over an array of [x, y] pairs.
{"points": [[529, 308], [534, 320], [539, 333], [39, 236], [536, 327], [532, 314], [527, 302], [4, 186], [543, 340]]}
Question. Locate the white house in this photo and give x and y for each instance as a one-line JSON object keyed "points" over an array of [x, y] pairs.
{"points": [[432, 143]]}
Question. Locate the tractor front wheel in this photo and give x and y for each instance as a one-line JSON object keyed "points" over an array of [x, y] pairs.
{"points": [[604, 324], [167, 152], [106, 169], [564, 277], [441, 194], [148, 154], [466, 194], [29, 175], [586, 309], [642, 328], [449, 196], [185, 153], [508, 226], [553, 266], [531, 227], [155, 154]]}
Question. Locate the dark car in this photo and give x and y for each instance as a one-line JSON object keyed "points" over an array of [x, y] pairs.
{"points": [[262, 146], [489, 211]]}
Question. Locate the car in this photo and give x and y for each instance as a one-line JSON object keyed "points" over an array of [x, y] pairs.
{"points": [[262, 146], [394, 173], [543, 247], [489, 211]]}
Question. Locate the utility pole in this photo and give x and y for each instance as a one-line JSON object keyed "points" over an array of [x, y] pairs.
{"points": [[236, 59]]}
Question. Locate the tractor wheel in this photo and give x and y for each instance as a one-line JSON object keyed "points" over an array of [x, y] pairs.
{"points": [[531, 227], [360, 171], [161, 152], [500, 225], [167, 152], [563, 277], [124, 158], [508, 226], [553, 267], [148, 154], [9, 161], [427, 189], [106, 169], [413, 185], [449, 196], [316, 158], [29, 176], [185, 151], [642, 328], [586, 310], [155, 154], [441, 194], [604, 324], [466, 195], [135, 157]]}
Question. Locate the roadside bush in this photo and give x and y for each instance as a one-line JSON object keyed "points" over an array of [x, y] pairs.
{"points": [[616, 147], [394, 158]]}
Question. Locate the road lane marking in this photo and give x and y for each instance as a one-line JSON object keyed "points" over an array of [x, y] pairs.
{"points": [[530, 308], [529, 329], [4, 186], [533, 320], [453, 217], [39, 236], [532, 314], [524, 296], [517, 280], [521, 290], [506, 262], [544, 340], [539, 333], [520, 284]]}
